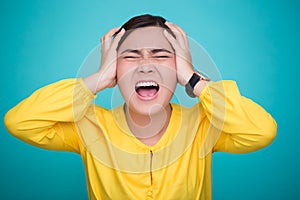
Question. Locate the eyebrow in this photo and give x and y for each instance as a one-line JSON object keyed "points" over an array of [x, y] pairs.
{"points": [[153, 51], [160, 50]]}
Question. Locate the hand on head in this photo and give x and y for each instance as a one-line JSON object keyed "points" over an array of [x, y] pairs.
{"points": [[180, 44], [109, 57], [107, 74]]}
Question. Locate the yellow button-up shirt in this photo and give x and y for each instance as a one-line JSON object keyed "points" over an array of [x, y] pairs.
{"points": [[61, 116]]}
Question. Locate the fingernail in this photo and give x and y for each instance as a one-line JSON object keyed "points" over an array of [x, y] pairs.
{"points": [[166, 32]]}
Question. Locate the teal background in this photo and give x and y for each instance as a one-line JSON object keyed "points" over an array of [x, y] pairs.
{"points": [[255, 42]]}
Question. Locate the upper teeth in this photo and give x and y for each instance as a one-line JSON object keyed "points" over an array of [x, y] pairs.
{"points": [[145, 84]]}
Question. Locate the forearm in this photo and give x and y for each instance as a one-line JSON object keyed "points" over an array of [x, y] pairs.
{"points": [[96, 82], [37, 117], [245, 126]]}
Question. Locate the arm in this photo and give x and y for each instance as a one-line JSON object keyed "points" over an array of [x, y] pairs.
{"points": [[45, 119], [242, 125], [234, 123]]}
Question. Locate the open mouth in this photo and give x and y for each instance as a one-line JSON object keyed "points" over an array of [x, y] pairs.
{"points": [[146, 89]]}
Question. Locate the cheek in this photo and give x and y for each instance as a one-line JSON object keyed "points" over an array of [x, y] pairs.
{"points": [[124, 77], [171, 63], [174, 63], [120, 68], [168, 72], [123, 67]]}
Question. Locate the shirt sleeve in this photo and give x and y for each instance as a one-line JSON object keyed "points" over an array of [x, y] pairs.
{"points": [[238, 124], [46, 118]]}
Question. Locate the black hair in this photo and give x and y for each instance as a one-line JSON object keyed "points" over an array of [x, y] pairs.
{"points": [[141, 21]]}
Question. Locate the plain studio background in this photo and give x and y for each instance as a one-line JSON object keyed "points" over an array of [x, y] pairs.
{"points": [[252, 41]]}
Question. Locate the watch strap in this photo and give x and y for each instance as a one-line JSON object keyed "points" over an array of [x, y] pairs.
{"points": [[189, 87]]}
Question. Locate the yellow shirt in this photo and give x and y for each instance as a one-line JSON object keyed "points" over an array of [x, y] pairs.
{"points": [[61, 116]]}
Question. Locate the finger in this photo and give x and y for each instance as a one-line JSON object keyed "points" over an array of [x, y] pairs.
{"points": [[109, 34], [111, 53], [117, 39], [179, 38], [181, 52], [175, 26], [181, 34], [107, 38], [172, 40], [113, 83]]}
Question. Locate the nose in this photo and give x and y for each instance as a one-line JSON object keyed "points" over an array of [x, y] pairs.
{"points": [[146, 68]]}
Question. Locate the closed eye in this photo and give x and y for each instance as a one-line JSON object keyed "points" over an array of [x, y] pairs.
{"points": [[130, 57], [161, 56]]}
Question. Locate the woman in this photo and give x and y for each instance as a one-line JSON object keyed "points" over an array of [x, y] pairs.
{"points": [[147, 147]]}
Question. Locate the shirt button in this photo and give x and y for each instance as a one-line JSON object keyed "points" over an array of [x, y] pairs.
{"points": [[149, 193]]}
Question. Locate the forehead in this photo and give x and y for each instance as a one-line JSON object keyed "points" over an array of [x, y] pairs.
{"points": [[147, 37]]}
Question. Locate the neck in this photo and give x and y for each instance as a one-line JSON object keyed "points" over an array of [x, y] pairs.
{"points": [[148, 128]]}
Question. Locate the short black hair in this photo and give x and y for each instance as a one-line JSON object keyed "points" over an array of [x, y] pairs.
{"points": [[141, 21]]}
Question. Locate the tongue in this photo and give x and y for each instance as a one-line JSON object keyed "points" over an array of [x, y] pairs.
{"points": [[146, 92]]}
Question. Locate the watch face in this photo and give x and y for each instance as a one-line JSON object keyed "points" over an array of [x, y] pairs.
{"points": [[194, 80]]}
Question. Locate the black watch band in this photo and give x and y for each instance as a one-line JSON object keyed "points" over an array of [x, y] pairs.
{"points": [[189, 87], [194, 80]]}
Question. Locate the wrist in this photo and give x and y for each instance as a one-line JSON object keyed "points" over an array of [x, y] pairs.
{"points": [[95, 82], [196, 84], [185, 77], [199, 87]]}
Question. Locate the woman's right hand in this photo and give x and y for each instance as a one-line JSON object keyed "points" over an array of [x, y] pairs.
{"points": [[106, 76]]}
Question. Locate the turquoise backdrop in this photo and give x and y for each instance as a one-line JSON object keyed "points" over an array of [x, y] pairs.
{"points": [[255, 42]]}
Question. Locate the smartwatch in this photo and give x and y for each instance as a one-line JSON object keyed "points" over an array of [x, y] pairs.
{"points": [[196, 77]]}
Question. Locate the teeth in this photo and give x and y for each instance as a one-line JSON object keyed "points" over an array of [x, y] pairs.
{"points": [[146, 84]]}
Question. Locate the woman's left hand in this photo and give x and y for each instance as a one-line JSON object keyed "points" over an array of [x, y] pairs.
{"points": [[180, 44]]}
